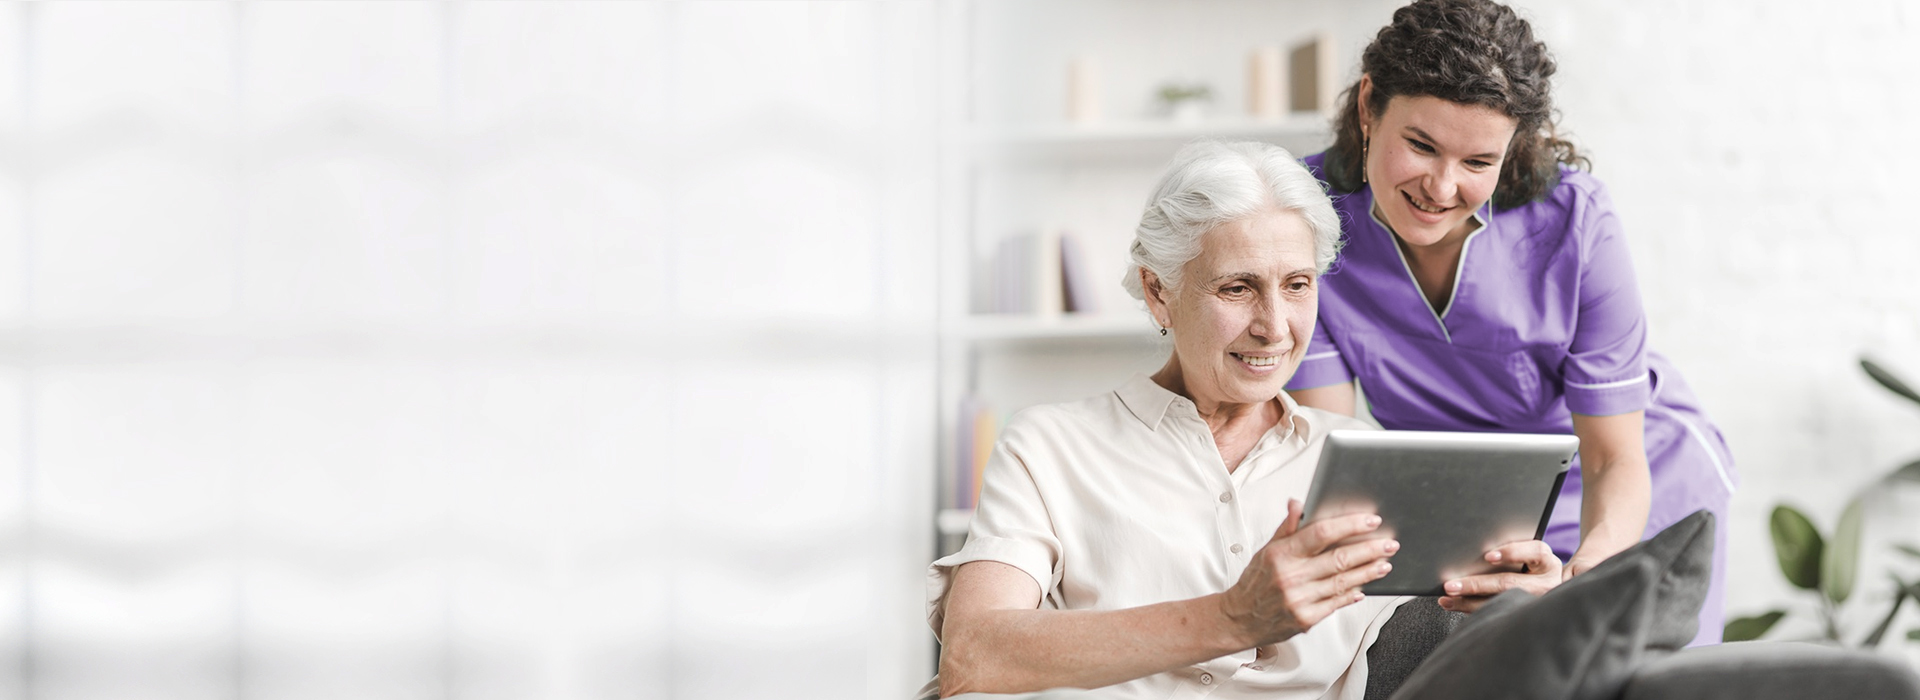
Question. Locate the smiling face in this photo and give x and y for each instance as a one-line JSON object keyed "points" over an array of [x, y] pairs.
{"points": [[1244, 310], [1431, 163]]}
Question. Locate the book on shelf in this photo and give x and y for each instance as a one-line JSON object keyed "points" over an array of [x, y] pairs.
{"points": [[978, 429], [1076, 281], [1313, 75], [1043, 273]]}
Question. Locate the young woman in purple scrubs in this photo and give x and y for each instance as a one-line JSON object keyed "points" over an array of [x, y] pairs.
{"points": [[1486, 285]]}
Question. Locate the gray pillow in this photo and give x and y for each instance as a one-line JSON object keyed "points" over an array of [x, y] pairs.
{"points": [[1684, 554], [1580, 641], [1587, 637]]}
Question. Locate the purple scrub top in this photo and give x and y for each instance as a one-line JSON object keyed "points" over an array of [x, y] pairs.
{"points": [[1545, 321]]}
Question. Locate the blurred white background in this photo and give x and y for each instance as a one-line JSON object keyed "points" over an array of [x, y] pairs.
{"points": [[590, 350], [489, 350]]}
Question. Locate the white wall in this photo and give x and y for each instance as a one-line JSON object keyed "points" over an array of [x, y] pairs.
{"points": [[1755, 151], [410, 350]]}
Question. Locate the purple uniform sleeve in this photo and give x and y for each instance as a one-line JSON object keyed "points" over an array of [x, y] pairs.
{"points": [[1323, 364], [1606, 365]]}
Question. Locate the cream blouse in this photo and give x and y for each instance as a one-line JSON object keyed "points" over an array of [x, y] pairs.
{"points": [[1122, 500]]}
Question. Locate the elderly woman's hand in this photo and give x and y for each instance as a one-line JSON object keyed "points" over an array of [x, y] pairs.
{"points": [[1529, 566], [1300, 577]]}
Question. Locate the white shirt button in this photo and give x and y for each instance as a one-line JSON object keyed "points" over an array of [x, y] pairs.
{"points": [[1226, 497], [1206, 679], [1236, 549]]}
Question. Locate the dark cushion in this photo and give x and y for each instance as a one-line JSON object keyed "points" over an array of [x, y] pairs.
{"points": [[1415, 630], [1682, 558], [1768, 670], [1684, 554], [1580, 641]]}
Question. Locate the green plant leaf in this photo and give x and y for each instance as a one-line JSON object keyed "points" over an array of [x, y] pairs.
{"points": [[1746, 629], [1798, 546], [1887, 379], [1907, 472], [1900, 596], [1913, 635], [1910, 550], [1841, 560]]}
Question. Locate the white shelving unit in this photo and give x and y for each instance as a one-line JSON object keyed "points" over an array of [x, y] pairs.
{"points": [[992, 327], [1134, 139]]}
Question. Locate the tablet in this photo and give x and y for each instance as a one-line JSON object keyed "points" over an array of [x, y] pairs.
{"points": [[1448, 497]]}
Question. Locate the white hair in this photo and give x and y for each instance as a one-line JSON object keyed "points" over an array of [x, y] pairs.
{"points": [[1212, 183]]}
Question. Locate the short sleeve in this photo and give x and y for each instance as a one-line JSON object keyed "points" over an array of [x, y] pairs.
{"points": [[1323, 364], [1606, 366], [1010, 525]]}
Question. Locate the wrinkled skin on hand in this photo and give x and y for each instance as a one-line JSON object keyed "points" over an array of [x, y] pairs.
{"points": [[1300, 577]]}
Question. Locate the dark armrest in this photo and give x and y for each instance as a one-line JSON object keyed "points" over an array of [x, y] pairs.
{"points": [[1769, 670]]}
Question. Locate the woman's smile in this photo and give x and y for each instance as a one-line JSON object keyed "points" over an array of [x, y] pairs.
{"points": [[1437, 211], [1259, 363], [1243, 311], [1441, 158]]}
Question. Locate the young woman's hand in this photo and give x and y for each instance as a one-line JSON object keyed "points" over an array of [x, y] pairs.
{"points": [[1529, 566], [1577, 566], [1301, 576]]}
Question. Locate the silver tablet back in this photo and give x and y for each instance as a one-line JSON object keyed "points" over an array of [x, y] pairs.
{"points": [[1448, 497]]}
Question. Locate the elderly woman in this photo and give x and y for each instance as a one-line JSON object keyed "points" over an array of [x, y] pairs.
{"points": [[1149, 540]]}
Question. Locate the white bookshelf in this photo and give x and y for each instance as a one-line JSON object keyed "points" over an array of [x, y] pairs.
{"points": [[1115, 326], [1130, 140]]}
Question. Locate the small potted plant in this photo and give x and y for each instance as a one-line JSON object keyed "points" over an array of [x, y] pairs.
{"points": [[1186, 103]]}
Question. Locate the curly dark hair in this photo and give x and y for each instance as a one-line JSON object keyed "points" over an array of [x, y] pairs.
{"points": [[1474, 52]]}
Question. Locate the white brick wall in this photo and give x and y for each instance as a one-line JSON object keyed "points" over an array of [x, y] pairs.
{"points": [[1758, 154]]}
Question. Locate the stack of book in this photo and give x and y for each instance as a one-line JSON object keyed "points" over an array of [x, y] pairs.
{"points": [[1040, 274]]}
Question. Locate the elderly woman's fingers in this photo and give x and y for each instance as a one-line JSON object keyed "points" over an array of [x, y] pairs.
{"points": [[1352, 557], [1353, 579], [1316, 611], [1296, 580], [1315, 537], [1338, 585]]}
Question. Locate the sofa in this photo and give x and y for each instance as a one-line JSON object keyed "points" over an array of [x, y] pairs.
{"points": [[1617, 632], [1734, 671]]}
